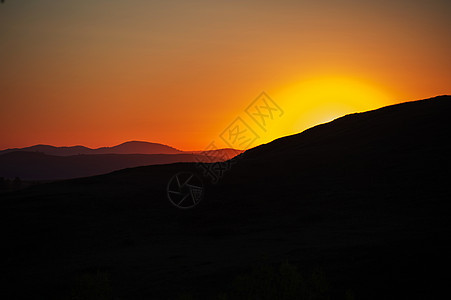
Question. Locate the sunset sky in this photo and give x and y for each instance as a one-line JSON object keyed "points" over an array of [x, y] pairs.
{"points": [[179, 72]]}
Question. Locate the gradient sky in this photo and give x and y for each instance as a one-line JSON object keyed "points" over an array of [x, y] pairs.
{"points": [[178, 72]]}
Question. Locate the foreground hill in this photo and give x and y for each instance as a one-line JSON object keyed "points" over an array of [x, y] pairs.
{"points": [[221, 154], [39, 166], [365, 199], [366, 147]]}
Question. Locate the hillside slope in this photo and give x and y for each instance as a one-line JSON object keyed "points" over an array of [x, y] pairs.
{"points": [[39, 166], [364, 198]]}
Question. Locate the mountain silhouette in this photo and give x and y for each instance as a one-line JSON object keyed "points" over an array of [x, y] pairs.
{"points": [[364, 198], [131, 147], [44, 162], [136, 147]]}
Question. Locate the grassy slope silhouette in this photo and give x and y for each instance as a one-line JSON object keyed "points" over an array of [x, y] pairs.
{"points": [[39, 166], [365, 198]]}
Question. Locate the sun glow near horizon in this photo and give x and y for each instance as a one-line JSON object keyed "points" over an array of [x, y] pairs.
{"points": [[99, 73], [322, 99]]}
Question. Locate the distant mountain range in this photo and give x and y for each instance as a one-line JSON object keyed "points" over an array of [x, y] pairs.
{"points": [[45, 162], [132, 147]]}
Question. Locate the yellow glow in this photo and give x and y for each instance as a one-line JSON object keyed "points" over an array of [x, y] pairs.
{"points": [[320, 100]]}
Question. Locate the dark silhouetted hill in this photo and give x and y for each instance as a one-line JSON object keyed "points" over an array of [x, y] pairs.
{"points": [[40, 166], [365, 199], [222, 154], [414, 135]]}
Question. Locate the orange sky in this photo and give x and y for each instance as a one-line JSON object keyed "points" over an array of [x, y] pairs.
{"points": [[99, 73]]}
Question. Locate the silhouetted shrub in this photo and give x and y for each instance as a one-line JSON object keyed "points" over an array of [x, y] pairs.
{"points": [[185, 296], [93, 286], [284, 282], [16, 184], [5, 184], [349, 295]]}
